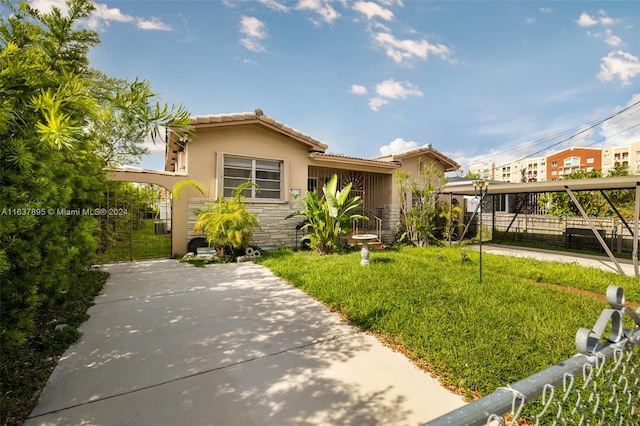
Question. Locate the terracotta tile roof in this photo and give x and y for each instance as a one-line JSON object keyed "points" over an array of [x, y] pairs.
{"points": [[258, 116], [424, 149], [334, 158]]}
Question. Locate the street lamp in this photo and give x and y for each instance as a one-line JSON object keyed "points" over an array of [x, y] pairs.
{"points": [[480, 187]]}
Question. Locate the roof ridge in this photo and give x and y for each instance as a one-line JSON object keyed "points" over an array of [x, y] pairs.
{"points": [[257, 114]]}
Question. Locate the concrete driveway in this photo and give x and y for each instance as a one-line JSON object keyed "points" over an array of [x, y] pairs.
{"points": [[171, 344]]}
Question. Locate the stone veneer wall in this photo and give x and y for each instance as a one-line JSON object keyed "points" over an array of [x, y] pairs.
{"points": [[280, 232], [275, 232], [390, 218]]}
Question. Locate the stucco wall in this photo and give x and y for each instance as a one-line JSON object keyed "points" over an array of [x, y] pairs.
{"points": [[246, 140]]}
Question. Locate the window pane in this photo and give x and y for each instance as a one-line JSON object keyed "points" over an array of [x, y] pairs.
{"points": [[237, 162], [232, 183], [237, 173], [272, 195], [267, 165], [268, 184], [267, 175]]}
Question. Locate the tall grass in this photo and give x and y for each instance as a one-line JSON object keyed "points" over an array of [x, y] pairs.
{"points": [[428, 303]]}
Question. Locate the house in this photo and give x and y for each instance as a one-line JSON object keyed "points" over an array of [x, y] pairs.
{"points": [[229, 149]]}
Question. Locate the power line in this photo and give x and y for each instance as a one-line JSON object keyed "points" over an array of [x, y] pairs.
{"points": [[589, 126]]}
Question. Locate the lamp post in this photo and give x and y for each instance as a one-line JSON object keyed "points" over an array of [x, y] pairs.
{"points": [[480, 187]]}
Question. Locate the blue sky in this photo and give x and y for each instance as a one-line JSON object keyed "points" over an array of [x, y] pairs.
{"points": [[479, 80]]}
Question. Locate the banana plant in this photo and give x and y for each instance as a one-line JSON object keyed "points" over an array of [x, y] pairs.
{"points": [[330, 216]]}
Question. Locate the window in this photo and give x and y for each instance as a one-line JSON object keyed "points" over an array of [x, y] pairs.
{"points": [[572, 161], [265, 173], [554, 164], [554, 172], [590, 160]]}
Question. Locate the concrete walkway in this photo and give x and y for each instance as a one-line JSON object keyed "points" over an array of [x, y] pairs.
{"points": [[171, 344], [600, 262]]}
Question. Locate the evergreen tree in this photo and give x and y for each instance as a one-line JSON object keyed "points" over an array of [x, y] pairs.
{"points": [[54, 109]]}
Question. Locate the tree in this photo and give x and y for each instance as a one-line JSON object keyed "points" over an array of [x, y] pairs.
{"points": [[330, 216], [226, 223], [53, 108], [594, 203], [425, 220]]}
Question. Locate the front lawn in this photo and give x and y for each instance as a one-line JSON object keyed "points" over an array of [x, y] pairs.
{"points": [[428, 304]]}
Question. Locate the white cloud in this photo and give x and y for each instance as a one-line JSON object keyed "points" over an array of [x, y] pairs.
{"points": [[400, 50], [255, 31], [274, 5], [253, 27], [376, 102], [357, 89], [530, 20], [619, 64], [396, 90], [153, 24], [612, 39], [371, 10], [321, 7], [624, 129], [391, 89], [545, 10], [397, 145], [45, 6], [102, 16], [586, 20], [392, 2]]}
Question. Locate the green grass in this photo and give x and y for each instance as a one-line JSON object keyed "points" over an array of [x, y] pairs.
{"points": [[24, 370], [145, 245], [428, 303]]}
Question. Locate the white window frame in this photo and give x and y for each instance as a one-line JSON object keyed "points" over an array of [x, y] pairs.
{"points": [[254, 195]]}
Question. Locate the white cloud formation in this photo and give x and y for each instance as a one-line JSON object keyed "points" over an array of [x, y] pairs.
{"points": [[376, 102], [530, 20], [274, 5], [401, 50], [102, 16], [545, 10], [322, 8], [620, 64], [397, 90], [612, 39], [45, 6], [586, 20], [391, 89], [397, 145], [625, 129], [357, 89], [255, 31], [153, 24], [371, 10]]}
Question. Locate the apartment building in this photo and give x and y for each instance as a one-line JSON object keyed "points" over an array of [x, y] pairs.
{"points": [[562, 163], [485, 170], [627, 156], [569, 160]]}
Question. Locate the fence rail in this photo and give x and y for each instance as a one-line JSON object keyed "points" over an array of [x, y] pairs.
{"points": [[599, 385]]}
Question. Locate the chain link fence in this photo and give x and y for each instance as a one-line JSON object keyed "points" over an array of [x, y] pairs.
{"points": [[600, 385]]}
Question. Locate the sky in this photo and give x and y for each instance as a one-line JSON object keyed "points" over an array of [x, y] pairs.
{"points": [[479, 80]]}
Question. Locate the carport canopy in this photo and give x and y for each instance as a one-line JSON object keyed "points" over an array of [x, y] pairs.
{"points": [[569, 186]]}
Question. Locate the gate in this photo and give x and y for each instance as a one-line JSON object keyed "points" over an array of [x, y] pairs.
{"points": [[135, 222]]}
